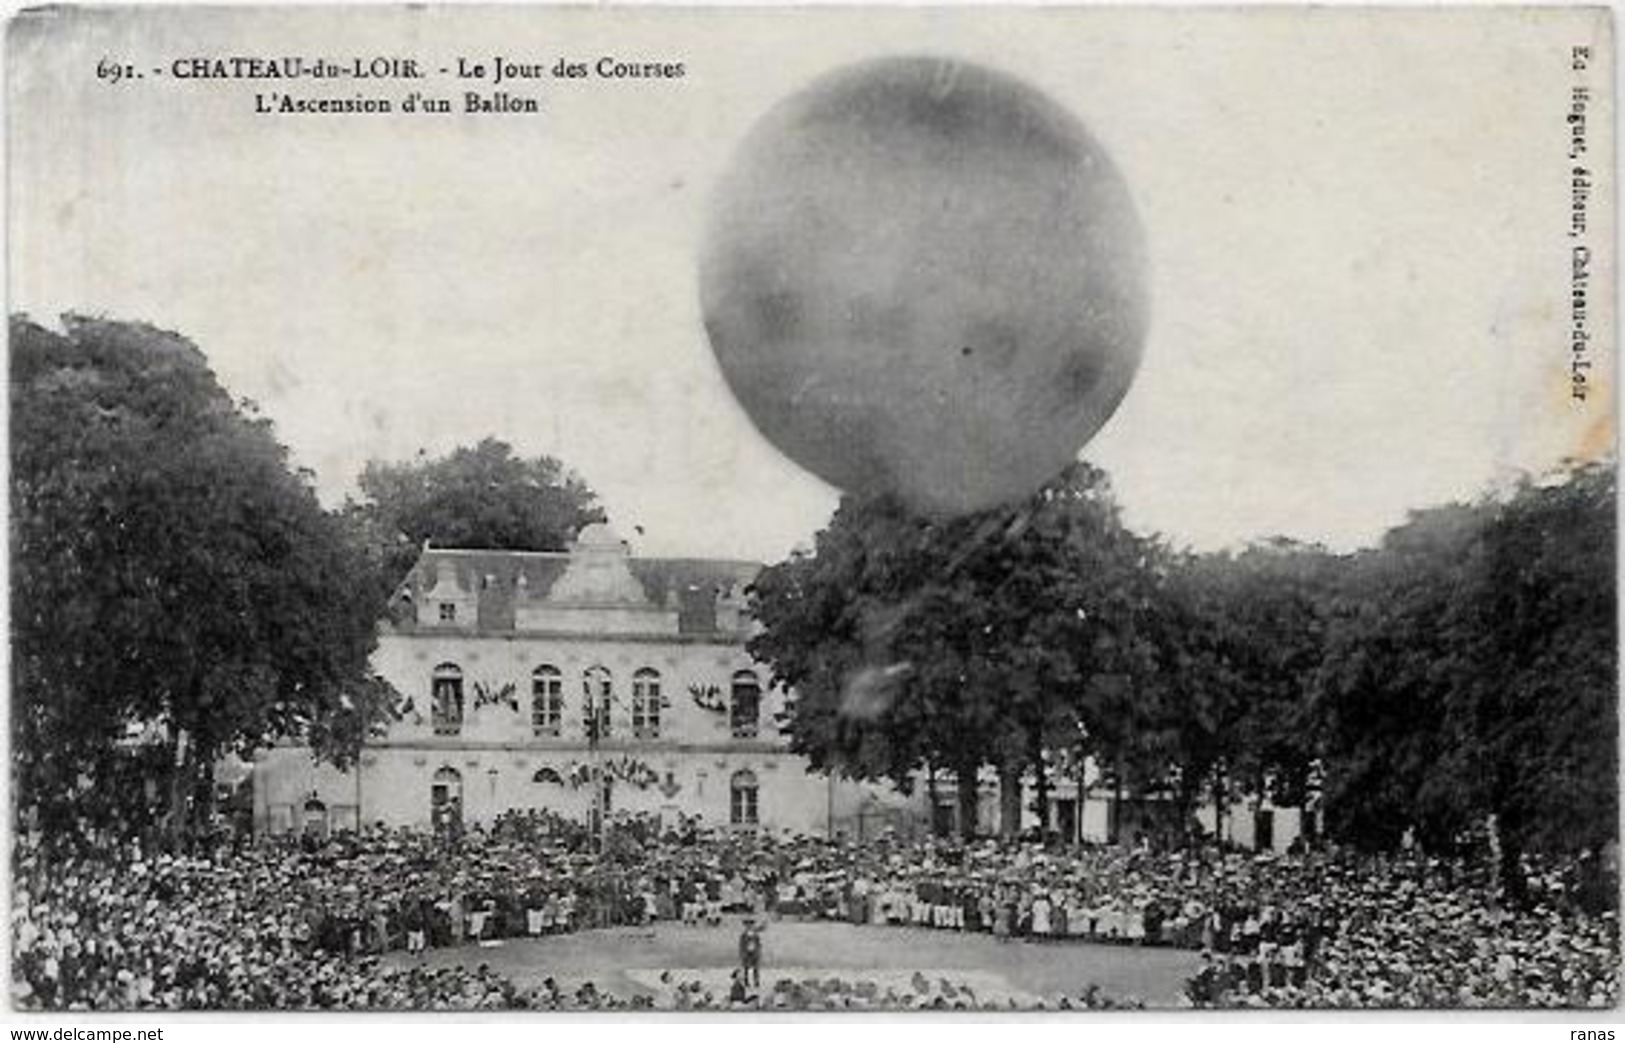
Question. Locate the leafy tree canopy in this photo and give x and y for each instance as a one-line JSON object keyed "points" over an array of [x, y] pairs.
{"points": [[1471, 671], [1242, 636], [1462, 672], [169, 571], [480, 497], [912, 642]]}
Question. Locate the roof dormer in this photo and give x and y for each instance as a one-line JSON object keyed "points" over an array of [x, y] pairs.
{"points": [[447, 603]]}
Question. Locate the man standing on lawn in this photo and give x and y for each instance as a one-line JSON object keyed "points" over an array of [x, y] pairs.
{"points": [[750, 952]]}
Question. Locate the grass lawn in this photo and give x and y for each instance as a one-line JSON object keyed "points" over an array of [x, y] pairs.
{"points": [[628, 961]]}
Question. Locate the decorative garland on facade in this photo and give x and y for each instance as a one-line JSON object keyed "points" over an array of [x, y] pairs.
{"points": [[490, 695], [708, 697], [625, 769], [633, 772], [407, 708]]}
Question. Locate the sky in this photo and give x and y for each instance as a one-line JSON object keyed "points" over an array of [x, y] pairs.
{"points": [[1358, 254]]}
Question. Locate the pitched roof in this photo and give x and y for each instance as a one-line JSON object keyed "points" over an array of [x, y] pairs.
{"points": [[498, 579]]}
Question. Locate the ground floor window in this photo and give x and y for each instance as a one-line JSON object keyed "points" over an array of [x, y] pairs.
{"points": [[743, 804]]}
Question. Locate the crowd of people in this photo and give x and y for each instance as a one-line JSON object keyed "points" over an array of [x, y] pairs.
{"points": [[313, 923], [836, 993]]}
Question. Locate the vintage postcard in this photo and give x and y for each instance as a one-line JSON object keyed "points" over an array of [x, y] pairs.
{"points": [[811, 509]]}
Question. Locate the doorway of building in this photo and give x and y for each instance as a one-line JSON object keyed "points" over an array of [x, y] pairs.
{"points": [[1066, 819], [446, 802], [315, 820]]}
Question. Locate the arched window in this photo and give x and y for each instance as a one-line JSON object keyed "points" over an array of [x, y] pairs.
{"points": [[446, 699], [646, 704], [546, 701], [742, 798], [599, 687], [547, 777], [745, 708], [446, 800]]}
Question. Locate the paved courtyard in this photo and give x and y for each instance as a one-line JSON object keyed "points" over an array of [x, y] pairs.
{"points": [[629, 961]]}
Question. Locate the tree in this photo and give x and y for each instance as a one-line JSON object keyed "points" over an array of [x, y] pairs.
{"points": [[829, 633], [1241, 640], [1535, 700], [1069, 594], [1470, 676], [480, 497], [171, 576], [910, 642], [1198, 692], [1380, 696]]}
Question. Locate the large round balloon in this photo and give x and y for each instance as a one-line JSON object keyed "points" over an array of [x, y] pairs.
{"points": [[924, 277]]}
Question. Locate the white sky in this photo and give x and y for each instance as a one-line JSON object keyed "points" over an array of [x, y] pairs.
{"points": [[1356, 222]]}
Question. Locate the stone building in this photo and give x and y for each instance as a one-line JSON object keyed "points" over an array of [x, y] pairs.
{"points": [[501, 657], [500, 654]]}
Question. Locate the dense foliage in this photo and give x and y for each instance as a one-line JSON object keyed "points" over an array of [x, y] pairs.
{"points": [[177, 591], [1471, 672], [983, 640], [1456, 681], [482, 496]]}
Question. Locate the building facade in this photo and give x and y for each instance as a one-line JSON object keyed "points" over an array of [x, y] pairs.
{"points": [[592, 682], [585, 682]]}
